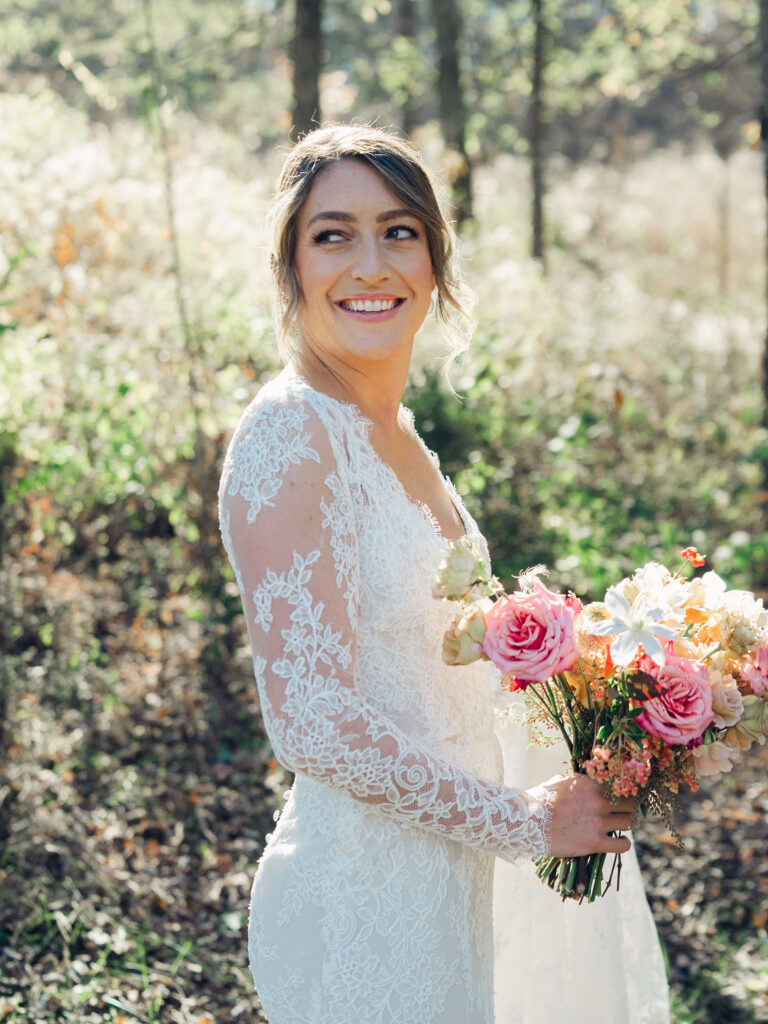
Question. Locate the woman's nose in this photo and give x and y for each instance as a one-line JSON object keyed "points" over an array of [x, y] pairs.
{"points": [[370, 261]]}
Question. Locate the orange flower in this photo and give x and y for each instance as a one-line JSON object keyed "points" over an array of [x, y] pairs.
{"points": [[692, 555]]}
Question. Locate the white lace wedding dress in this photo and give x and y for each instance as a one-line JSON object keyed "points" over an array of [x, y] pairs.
{"points": [[372, 903]]}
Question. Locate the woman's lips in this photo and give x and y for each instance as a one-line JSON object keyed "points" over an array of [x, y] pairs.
{"points": [[370, 307]]}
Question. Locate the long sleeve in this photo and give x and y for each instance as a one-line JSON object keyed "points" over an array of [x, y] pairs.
{"points": [[288, 524]]}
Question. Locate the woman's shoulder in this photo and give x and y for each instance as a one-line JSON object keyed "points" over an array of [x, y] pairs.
{"points": [[289, 399], [287, 427]]}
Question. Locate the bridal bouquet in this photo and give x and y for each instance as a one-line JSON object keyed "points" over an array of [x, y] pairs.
{"points": [[663, 681]]}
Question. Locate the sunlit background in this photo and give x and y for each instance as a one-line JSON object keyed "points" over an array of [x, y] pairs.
{"points": [[602, 163]]}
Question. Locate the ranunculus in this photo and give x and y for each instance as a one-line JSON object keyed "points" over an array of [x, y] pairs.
{"points": [[530, 636], [461, 568], [462, 643], [714, 758], [684, 709], [727, 702], [755, 669]]}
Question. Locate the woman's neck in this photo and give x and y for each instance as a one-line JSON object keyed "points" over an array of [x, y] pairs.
{"points": [[376, 388]]}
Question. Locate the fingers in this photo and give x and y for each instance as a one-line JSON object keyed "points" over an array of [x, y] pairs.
{"points": [[581, 844], [624, 803], [619, 822], [584, 820], [615, 844]]}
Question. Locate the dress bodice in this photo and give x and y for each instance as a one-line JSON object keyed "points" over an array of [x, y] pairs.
{"points": [[336, 561]]}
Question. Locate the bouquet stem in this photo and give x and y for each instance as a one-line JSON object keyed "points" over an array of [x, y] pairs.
{"points": [[577, 878]]}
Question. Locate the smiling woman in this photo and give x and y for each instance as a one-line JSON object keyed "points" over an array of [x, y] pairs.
{"points": [[372, 903], [364, 269]]}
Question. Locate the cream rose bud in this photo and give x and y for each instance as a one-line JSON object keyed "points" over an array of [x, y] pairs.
{"points": [[752, 726], [461, 567], [727, 702], [462, 642], [714, 758]]}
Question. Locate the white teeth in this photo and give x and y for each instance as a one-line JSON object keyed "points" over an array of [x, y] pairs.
{"points": [[369, 305]]}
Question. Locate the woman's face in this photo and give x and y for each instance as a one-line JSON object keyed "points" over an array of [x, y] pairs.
{"points": [[364, 267]]}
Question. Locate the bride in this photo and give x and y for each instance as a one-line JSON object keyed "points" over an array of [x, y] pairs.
{"points": [[373, 901]]}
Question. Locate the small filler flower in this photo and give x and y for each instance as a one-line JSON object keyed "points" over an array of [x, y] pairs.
{"points": [[633, 627]]}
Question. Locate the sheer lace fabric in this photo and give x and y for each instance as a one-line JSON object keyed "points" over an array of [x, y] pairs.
{"points": [[372, 902]]}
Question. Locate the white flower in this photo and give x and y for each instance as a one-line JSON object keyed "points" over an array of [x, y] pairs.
{"points": [[706, 591], [658, 588], [634, 626]]}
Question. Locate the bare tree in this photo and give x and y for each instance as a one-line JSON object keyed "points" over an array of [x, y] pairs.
{"points": [[764, 138], [453, 114], [406, 27], [306, 53]]}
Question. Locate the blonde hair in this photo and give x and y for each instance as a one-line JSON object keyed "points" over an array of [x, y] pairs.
{"points": [[403, 172]]}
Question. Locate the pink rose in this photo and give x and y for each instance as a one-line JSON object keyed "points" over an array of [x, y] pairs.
{"points": [[755, 670], [684, 709], [530, 636]]}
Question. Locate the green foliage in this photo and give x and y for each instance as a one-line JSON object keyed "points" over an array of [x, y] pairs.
{"points": [[669, 67]]}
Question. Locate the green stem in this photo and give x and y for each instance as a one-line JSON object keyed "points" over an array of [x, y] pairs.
{"points": [[567, 692], [595, 882], [570, 883], [556, 717]]}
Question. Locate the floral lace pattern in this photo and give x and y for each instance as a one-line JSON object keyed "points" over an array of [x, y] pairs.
{"points": [[372, 901]]}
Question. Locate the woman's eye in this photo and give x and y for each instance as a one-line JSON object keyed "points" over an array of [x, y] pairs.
{"points": [[401, 232], [328, 236]]}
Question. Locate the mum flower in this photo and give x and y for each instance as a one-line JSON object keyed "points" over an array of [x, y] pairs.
{"points": [[633, 626]]}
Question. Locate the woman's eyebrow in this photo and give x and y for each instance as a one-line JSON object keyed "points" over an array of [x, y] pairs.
{"points": [[343, 215], [331, 215]]}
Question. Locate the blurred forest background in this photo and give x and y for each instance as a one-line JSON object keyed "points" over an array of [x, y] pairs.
{"points": [[603, 162]]}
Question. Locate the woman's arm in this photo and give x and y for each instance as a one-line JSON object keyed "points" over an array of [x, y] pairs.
{"points": [[288, 527]]}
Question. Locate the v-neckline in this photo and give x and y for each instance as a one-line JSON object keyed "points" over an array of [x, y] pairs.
{"points": [[426, 512]]}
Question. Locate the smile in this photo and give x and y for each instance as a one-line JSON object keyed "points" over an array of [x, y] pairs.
{"points": [[370, 305]]}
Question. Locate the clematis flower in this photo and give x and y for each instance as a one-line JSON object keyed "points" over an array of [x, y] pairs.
{"points": [[633, 627], [655, 586]]}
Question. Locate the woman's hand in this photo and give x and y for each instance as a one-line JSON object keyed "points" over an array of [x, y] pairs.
{"points": [[582, 817]]}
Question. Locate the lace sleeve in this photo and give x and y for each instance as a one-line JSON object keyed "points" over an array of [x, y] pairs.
{"points": [[287, 525]]}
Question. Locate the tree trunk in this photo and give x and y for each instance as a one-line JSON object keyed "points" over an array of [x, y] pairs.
{"points": [[306, 53], [406, 27], [537, 132], [724, 210], [453, 116], [764, 139]]}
